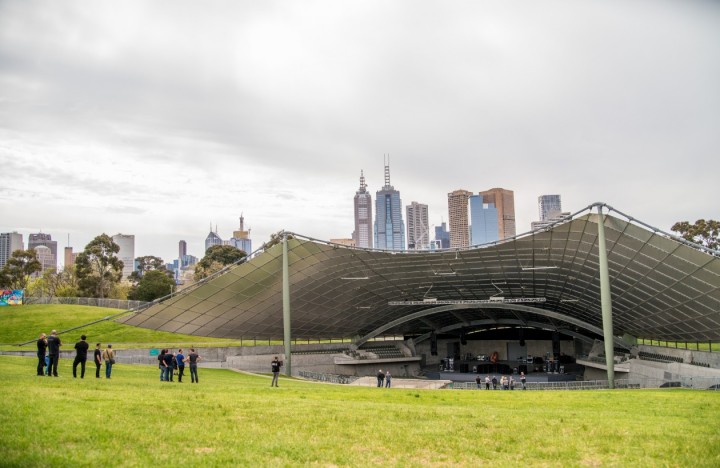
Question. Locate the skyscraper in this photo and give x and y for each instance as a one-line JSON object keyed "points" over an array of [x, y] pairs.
{"points": [[241, 238], [458, 218], [182, 249], [9, 243], [418, 232], [126, 253], [484, 221], [504, 201], [212, 239], [362, 235], [389, 227], [442, 236], [49, 259], [549, 206]]}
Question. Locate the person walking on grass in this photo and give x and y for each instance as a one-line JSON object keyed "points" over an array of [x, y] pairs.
{"points": [[41, 348], [193, 359], [275, 366], [81, 349], [109, 357], [54, 344], [180, 360], [98, 360]]}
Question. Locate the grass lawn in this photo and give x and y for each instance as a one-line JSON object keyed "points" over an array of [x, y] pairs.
{"points": [[19, 324], [229, 418]]}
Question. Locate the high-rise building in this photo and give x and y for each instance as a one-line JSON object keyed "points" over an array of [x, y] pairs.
{"points": [[418, 231], [241, 238], [442, 236], [212, 239], [69, 257], [458, 218], [483, 221], [49, 260], [343, 241], [363, 216], [549, 206], [46, 258], [389, 227], [9, 243], [182, 249], [126, 242], [504, 202]]}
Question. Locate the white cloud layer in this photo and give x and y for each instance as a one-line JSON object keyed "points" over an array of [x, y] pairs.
{"points": [[162, 118]]}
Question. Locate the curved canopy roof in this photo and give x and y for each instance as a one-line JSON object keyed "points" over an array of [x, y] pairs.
{"points": [[662, 288]]}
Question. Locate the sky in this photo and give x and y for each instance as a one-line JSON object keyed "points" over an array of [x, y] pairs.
{"points": [[165, 119]]}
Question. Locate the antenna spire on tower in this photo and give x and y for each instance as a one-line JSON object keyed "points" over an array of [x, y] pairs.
{"points": [[386, 158]]}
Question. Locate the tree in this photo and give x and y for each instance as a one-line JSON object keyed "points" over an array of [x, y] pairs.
{"points": [[216, 258], [703, 232], [145, 264], [98, 268], [154, 284], [19, 267]]}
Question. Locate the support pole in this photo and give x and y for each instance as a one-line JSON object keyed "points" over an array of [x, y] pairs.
{"points": [[606, 301], [286, 306]]}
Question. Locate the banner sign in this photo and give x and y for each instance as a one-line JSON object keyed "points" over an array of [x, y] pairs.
{"points": [[11, 297]]}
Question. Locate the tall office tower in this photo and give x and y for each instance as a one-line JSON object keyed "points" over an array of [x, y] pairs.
{"points": [[9, 243], [182, 249], [362, 235], [241, 238], [49, 258], [418, 231], [442, 236], [46, 258], [212, 239], [483, 221], [458, 218], [389, 226], [504, 201], [126, 242], [69, 257], [549, 206]]}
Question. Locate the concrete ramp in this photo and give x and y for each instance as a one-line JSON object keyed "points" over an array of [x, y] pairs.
{"points": [[404, 383]]}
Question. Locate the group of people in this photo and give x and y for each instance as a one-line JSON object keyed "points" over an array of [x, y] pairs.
{"points": [[384, 376], [170, 362], [48, 353], [506, 383]]}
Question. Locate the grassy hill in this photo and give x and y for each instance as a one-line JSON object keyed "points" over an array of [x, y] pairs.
{"points": [[232, 419], [19, 324]]}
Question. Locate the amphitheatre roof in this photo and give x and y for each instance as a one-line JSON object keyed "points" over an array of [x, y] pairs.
{"points": [[662, 288]]}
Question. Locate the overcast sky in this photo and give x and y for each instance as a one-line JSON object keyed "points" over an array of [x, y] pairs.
{"points": [[162, 118]]}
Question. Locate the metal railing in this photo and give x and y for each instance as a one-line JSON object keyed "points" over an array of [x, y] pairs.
{"points": [[332, 378], [86, 301], [701, 383]]}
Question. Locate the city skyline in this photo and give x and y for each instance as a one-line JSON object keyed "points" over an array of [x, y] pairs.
{"points": [[109, 123]]}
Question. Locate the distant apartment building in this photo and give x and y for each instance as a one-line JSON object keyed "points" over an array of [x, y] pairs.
{"points": [[418, 230], [241, 238], [549, 206], [483, 221], [182, 249], [49, 257], [458, 218], [504, 202], [362, 204], [343, 241], [389, 229], [9, 243], [69, 258], [126, 242], [442, 236]]}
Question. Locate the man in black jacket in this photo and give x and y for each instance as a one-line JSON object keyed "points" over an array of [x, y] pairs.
{"points": [[98, 360], [54, 344], [81, 349], [41, 348]]}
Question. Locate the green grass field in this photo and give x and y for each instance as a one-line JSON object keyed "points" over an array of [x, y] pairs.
{"points": [[24, 323], [229, 418]]}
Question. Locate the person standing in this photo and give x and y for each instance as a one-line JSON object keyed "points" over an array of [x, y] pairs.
{"points": [[522, 380], [81, 349], [193, 359], [478, 381], [494, 382], [180, 359], [487, 382], [380, 378], [275, 366], [168, 365], [98, 360], [41, 348], [109, 357], [388, 379], [54, 344], [161, 364]]}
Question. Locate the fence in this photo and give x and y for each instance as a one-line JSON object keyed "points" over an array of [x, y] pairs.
{"points": [[332, 378], [702, 383], [87, 301]]}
